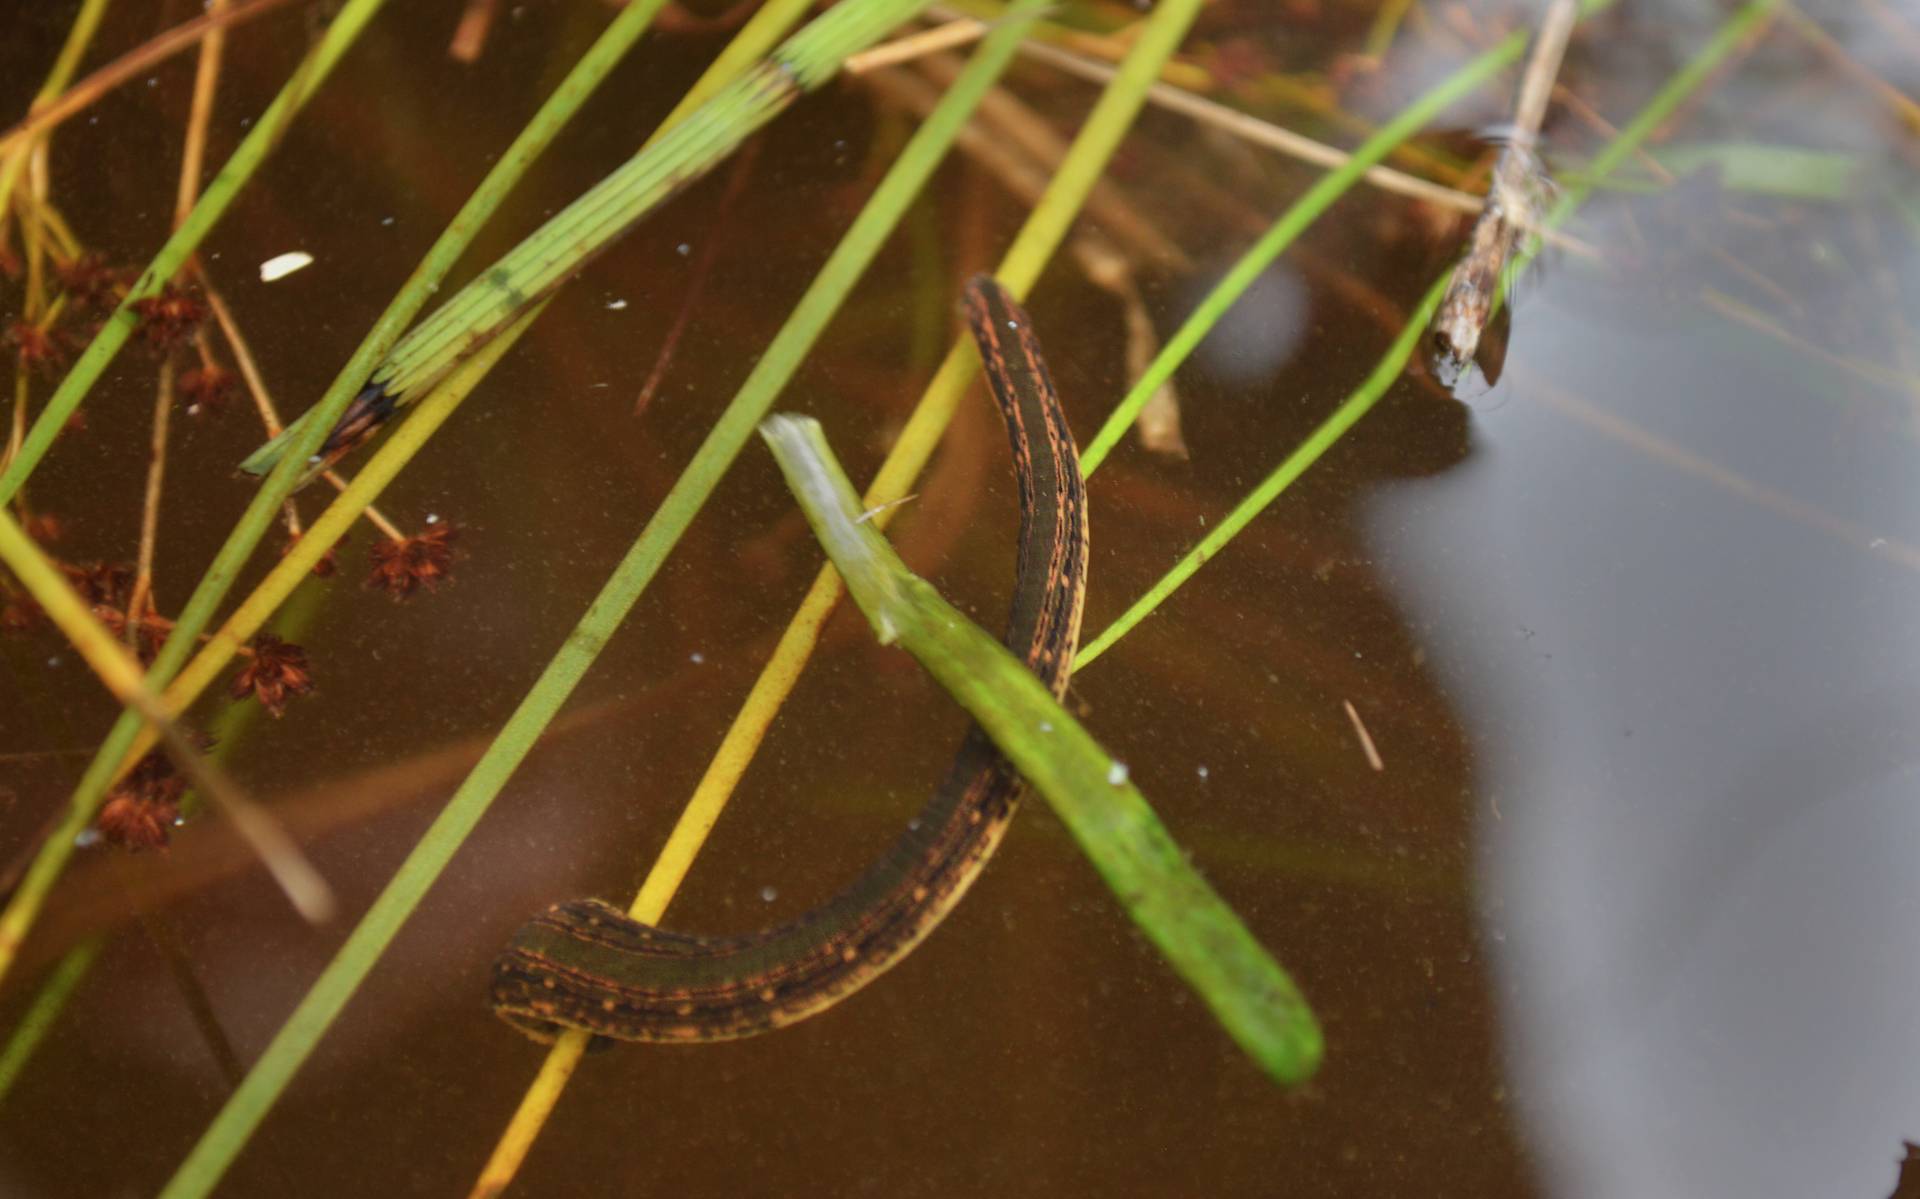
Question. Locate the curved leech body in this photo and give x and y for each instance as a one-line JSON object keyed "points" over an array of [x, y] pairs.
{"points": [[587, 965]]}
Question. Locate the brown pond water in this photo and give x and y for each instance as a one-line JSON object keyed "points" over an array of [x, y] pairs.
{"points": [[1630, 910]]}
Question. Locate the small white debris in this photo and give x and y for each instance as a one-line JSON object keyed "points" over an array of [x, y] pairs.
{"points": [[86, 838], [696, 657], [1117, 773], [683, 249], [768, 895], [1013, 324], [386, 220], [282, 265], [616, 305], [433, 518], [54, 662], [1201, 771]]}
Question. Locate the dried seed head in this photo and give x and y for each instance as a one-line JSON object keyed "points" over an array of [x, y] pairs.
{"points": [[402, 567], [278, 671]]}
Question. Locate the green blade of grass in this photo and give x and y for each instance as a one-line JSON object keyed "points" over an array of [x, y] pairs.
{"points": [[1292, 223], [1683, 83], [228, 1133], [1194, 929], [591, 223]]}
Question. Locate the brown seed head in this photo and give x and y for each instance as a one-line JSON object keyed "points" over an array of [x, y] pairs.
{"points": [[277, 672], [169, 317], [402, 567]]}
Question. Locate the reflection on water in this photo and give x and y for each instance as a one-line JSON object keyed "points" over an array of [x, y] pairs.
{"points": [[1682, 632], [1627, 909]]}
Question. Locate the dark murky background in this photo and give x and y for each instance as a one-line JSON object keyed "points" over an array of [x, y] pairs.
{"points": [[1630, 911]]}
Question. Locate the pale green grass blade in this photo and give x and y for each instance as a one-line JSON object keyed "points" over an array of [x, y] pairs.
{"points": [[202, 1169], [1292, 223], [1355, 406], [593, 222], [1196, 932], [1678, 88]]}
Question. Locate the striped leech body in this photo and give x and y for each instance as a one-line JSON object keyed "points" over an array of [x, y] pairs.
{"points": [[587, 965]]}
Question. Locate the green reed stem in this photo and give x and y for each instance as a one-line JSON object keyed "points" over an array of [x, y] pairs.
{"points": [[1683, 84], [1292, 223], [586, 227]]}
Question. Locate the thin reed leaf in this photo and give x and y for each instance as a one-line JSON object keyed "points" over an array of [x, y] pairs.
{"points": [[586, 227], [1388, 369], [1384, 374], [1087, 787], [1292, 223], [60, 984]]}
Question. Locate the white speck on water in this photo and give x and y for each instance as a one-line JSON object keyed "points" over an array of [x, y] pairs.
{"points": [[86, 838], [696, 657], [616, 305], [768, 894], [433, 518], [153, 81], [53, 663], [683, 249], [1201, 771], [386, 220], [282, 265], [1013, 324], [913, 826], [1117, 773]]}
